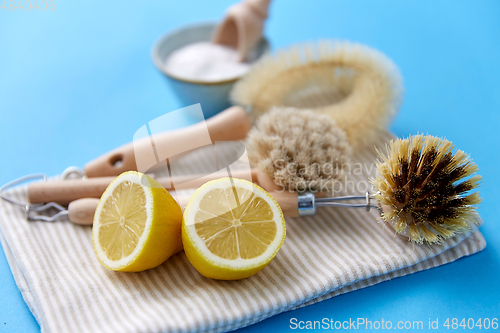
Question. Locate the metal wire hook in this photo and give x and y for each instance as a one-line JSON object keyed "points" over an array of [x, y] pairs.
{"points": [[61, 211], [73, 170], [33, 211], [16, 182]]}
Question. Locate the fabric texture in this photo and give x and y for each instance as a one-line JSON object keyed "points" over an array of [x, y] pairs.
{"points": [[334, 252]]}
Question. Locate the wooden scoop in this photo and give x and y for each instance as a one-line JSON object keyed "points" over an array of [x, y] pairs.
{"points": [[242, 27]]}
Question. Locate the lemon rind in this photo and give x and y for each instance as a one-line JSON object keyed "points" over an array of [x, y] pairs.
{"points": [[234, 264], [135, 178]]}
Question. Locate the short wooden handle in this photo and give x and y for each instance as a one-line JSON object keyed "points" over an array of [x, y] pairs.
{"points": [[232, 124], [66, 191], [82, 211], [288, 202]]}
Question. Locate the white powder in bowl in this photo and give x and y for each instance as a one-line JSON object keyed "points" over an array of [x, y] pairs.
{"points": [[204, 61]]}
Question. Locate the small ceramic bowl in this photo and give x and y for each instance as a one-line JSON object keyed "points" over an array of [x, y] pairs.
{"points": [[213, 96]]}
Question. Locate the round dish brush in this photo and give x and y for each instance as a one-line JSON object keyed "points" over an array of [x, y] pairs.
{"points": [[356, 86]]}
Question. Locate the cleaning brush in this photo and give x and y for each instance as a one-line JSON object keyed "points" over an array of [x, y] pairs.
{"points": [[424, 189], [299, 149], [356, 86], [289, 145]]}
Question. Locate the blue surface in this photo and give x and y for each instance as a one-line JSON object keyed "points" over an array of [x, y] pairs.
{"points": [[78, 81]]}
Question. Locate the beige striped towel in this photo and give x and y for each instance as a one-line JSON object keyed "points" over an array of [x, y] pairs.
{"points": [[334, 252]]}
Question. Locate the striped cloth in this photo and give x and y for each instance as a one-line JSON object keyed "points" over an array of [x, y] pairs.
{"points": [[334, 252]]}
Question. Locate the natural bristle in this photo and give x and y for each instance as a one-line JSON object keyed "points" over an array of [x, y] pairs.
{"points": [[356, 86], [424, 189], [300, 150]]}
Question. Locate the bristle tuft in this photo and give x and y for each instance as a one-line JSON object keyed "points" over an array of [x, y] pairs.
{"points": [[299, 150], [425, 190]]}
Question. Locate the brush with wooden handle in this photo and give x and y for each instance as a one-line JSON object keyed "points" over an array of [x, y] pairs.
{"points": [[300, 134], [424, 191], [304, 132]]}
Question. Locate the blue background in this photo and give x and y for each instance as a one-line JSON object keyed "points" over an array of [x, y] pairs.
{"points": [[78, 81]]}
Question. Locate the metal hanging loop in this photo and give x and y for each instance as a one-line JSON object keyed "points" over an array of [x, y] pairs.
{"points": [[73, 172], [36, 212]]}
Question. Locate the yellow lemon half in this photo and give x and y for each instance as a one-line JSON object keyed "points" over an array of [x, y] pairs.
{"points": [[232, 229], [137, 224]]}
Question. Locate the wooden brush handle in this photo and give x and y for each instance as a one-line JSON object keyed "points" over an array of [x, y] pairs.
{"points": [[66, 191], [82, 211], [288, 202], [232, 124]]}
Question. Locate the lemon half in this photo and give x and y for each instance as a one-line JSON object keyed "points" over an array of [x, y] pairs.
{"points": [[232, 229], [137, 224]]}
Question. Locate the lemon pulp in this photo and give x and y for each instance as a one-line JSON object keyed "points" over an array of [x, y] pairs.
{"points": [[232, 229], [234, 223], [137, 224], [123, 219]]}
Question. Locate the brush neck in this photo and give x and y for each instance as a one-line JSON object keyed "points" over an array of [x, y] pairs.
{"points": [[338, 201]]}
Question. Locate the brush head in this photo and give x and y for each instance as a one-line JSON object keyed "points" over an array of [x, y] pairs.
{"points": [[424, 188], [300, 150], [356, 86]]}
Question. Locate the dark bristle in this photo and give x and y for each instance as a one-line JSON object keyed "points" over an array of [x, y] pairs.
{"points": [[414, 158], [400, 195], [463, 187], [457, 173], [412, 176], [426, 165], [403, 170], [440, 167], [398, 177]]}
